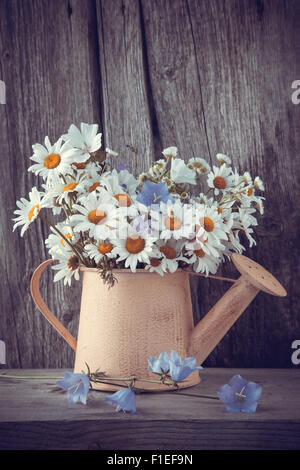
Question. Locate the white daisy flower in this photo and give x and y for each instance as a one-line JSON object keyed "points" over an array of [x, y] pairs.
{"points": [[259, 205], [97, 214], [98, 251], [51, 160], [128, 182], [232, 245], [120, 181], [175, 220], [170, 152], [210, 229], [180, 173], [258, 184], [247, 178], [56, 243], [67, 267], [223, 158], [204, 262], [92, 185], [171, 253], [246, 220], [85, 141], [119, 190], [157, 265], [133, 248], [220, 178], [199, 165], [28, 210], [62, 190]]}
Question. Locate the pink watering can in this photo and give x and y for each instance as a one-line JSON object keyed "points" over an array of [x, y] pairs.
{"points": [[145, 314]]}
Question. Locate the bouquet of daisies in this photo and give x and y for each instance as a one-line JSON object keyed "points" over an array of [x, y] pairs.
{"points": [[177, 215]]}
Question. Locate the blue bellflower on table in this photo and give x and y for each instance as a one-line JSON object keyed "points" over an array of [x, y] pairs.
{"points": [[179, 369], [159, 364], [239, 395], [124, 400], [77, 386]]}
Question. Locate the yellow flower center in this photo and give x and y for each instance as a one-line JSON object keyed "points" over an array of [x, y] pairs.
{"points": [[96, 216], [168, 251], [123, 199], [93, 187], [105, 248], [68, 236], [70, 187], [250, 191], [155, 262], [52, 161], [172, 223], [135, 245], [73, 263], [79, 166], [208, 224], [32, 210], [219, 182], [200, 253]]}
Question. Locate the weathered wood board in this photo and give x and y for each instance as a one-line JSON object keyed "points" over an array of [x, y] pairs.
{"points": [[205, 75], [36, 415]]}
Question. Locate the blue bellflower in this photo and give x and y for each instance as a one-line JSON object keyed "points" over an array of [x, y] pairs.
{"points": [[240, 395], [77, 386], [124, 399], [154, 193], [179, 369], [159, 364]]}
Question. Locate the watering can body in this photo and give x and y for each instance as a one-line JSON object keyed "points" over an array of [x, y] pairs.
{"points": [[145, 314]]}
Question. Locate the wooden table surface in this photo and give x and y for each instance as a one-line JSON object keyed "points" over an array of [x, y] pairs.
{"points": [[35, 415]]}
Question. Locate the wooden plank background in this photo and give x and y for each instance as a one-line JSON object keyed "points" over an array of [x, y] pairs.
{"points": [[207, 76]]}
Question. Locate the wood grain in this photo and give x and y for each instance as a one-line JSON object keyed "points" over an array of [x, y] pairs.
{"points": [[238, 59], [126, 108], [49, 63], [206, 75], [246, 54], [40, 417]]}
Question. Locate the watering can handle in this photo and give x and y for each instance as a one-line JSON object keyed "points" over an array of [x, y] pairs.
{"points": [[40, 303]]}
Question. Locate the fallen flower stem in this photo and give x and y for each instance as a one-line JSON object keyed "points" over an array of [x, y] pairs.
{"points": [[194, 395], [134, 378], [175, 392]]}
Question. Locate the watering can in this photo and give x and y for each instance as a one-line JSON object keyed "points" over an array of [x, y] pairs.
{"points": [[145, 314]]}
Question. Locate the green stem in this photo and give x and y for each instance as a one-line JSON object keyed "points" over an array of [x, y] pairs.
{"points": [[128, 379]]}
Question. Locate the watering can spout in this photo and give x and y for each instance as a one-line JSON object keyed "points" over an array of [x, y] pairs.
{"points": [[216, 323]]}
